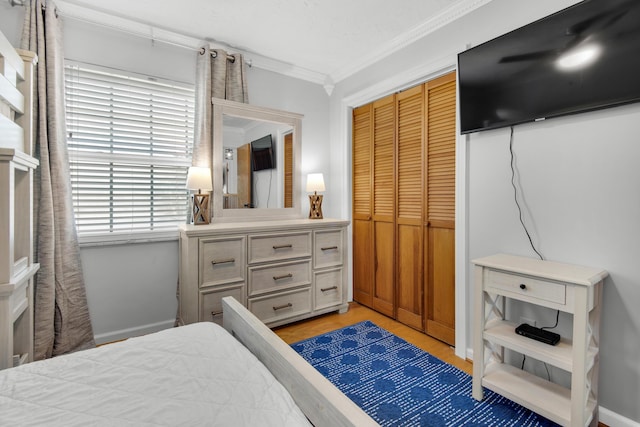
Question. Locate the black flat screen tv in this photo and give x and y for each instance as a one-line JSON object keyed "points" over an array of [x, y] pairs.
{"points": [[262, 153], [585, 57]]}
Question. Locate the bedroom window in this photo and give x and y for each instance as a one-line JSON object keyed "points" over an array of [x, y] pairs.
{"points": [[130, 140]]}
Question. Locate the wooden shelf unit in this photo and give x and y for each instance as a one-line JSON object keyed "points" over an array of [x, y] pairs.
{"points": [[17, 268], [569, 288]]}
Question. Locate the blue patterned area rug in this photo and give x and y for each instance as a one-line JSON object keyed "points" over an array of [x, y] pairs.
{"points": [[398, 384]]}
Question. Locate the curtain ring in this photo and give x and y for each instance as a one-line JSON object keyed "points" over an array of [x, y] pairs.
{"points": [[202, 51]]}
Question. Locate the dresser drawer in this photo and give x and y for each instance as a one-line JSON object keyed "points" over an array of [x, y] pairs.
{"points": [[282, 306], [328, 248], [211, 301], [222, 260], [328, 288], [526, 288], [276, 277], [278, 247]]}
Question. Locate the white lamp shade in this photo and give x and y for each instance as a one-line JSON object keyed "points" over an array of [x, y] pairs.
{"points": [[315, 182], [199, 178]]}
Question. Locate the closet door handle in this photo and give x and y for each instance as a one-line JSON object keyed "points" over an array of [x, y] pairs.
{"points": [[223, 261], [284, 276], [328, 289], [329, 248], [280, 307], [286, 246]]}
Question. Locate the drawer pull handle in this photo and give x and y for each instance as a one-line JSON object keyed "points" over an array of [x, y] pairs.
{"points": [[223, 261], [523, 286], [216, 313], [287, 246], [284, 276], [280, 307], [328, 289], [329, 248]]}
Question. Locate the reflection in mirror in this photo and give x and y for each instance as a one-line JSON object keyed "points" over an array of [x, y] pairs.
{"points": [[256, 162]]}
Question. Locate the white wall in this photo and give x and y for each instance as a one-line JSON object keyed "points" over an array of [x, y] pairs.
{"points": [[579, 177]]}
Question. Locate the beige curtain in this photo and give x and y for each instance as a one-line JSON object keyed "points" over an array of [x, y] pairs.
{"points": [[218, 75], [62, 322], [221, 76]]}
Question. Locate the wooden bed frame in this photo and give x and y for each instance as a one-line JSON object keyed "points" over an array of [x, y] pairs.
{"points": [[322, 402]]}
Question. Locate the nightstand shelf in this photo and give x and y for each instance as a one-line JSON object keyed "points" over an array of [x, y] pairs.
{"points": [[572, 289], [503, 333]]}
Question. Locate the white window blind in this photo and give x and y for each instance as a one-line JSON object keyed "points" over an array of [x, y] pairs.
{"points": [[130, 141]]}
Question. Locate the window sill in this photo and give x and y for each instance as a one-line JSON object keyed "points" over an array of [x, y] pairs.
{"points": [[107, 239]]}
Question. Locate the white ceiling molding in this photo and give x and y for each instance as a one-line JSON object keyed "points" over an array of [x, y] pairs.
{"points": [[456, 11], [73, 11], [129, 26]]}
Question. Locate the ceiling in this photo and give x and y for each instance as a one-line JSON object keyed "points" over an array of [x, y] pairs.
{"points": [[327, 40]]}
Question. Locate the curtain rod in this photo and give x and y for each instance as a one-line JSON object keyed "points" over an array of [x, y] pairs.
{"points": [[201, 50]]}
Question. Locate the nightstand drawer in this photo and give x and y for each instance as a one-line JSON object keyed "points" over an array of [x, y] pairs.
{"points": [[328, 288], [273, 308], [275, 277], [211, 301], [526, 288], [222, 260], [279, 247], [328, 248]]}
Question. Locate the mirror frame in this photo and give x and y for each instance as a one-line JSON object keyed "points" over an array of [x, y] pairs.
{"points": [[222, 107]]}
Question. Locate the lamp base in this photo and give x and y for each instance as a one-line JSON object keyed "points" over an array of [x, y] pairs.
{"points": [[315, 206], [200, 209]]}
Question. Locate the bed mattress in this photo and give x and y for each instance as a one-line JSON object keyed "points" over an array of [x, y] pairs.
{"points": [[195, 375]]}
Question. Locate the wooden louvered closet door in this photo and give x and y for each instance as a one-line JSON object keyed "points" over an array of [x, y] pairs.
{"points": [[440, 208], [384, 128], [404, 204], [409, 207], [362, 205]]}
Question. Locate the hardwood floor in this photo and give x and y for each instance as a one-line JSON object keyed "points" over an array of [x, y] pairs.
{"points": [[357, 313]]}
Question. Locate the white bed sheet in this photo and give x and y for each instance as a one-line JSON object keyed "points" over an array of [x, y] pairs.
{"points": [[195, 375]]}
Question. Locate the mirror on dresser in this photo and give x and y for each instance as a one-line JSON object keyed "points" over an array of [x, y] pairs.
{"points": [[256, 162]]}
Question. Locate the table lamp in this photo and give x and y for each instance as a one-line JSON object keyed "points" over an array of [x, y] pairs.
{"points": [[199, 178], [315, 183]]}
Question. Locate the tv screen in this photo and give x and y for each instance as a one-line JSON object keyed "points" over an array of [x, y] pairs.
{"points": [[582, 58], [262, 153]]}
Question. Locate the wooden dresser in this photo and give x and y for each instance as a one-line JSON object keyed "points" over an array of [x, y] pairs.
{"points": [[283, 271]]}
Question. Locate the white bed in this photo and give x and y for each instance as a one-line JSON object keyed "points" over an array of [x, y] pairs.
{"points": [[192, 375], [195, 375]]}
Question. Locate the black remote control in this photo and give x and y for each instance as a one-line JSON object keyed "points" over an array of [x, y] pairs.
{"points": [[538, 334]]}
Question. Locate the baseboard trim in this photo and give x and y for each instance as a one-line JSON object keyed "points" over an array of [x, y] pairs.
{"points": [[613, 419], [133, 332]]}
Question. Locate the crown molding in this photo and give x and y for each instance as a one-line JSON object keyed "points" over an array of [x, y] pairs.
{"points": [[70, 10], [129, 26], [414, 34]]}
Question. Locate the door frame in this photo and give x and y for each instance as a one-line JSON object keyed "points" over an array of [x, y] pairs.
{"points": [[398, 82]]}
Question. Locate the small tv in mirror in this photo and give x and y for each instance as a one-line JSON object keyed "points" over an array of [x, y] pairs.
{"points": [[262, 153]]}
